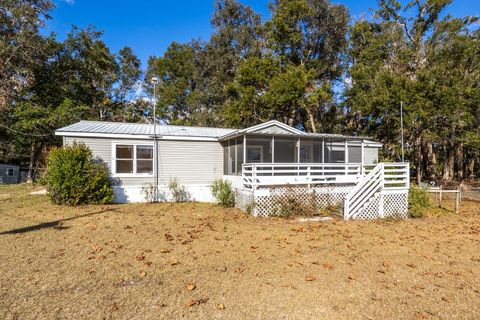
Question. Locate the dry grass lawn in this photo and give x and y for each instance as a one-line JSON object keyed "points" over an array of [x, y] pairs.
{"points": [[198, 261]]}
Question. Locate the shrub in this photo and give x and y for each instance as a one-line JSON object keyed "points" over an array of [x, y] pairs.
{"points": [[151, 195], [290, 205], [179, 192], [418, 201], [74, 177], [223, 193]]}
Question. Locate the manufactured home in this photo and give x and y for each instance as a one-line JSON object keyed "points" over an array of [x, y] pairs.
{"points": [[263, 162]]}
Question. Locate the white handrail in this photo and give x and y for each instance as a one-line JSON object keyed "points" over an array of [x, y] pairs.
{"points": [[363, 191], [264, 174], [385, 176]]}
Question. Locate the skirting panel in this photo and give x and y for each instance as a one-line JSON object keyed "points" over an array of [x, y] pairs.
{"points": [[274, 201], [128, 194]]}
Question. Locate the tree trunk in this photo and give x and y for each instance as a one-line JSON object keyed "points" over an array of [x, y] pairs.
{"points": [[418, 149], [449, 165], [311, 118], [430, 161], [460, 156], [31, 165], [471, 168]]}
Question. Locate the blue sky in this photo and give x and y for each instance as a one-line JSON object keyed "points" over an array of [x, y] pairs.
{"points": [[149, 26]]}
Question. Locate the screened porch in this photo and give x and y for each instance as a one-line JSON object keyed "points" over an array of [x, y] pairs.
{"points": [[282, 150]]}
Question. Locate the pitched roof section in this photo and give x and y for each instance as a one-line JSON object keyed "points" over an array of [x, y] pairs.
{"points": [[140, 129], [145, 131]]}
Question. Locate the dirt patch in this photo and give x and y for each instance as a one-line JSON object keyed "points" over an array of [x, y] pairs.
{"points": [[198, 261]]}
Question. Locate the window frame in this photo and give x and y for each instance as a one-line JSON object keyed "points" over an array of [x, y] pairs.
{"points": [[134, 167], [10, 170]]}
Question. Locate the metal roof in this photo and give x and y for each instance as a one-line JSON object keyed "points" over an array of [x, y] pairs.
{"points": [[143, 130], [103, 127]]}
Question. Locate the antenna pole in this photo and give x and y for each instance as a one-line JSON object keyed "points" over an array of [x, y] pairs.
{"points": [[401, 130]]}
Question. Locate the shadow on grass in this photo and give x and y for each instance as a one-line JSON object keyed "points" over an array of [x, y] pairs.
{"points": [[56, 224]]}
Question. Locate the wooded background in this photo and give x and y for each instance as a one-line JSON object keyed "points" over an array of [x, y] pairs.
{"points": [[309, 65]]}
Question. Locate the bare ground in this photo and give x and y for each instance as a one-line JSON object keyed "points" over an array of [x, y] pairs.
{"points": [[198, 261]]}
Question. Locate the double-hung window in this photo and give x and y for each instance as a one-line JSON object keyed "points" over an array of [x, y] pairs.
{"points": [[133, 159]]}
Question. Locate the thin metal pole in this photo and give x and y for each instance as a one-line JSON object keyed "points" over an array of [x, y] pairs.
{"points": [[401, 129], [155, 137]]}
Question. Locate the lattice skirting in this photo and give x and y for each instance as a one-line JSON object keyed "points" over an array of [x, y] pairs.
{"points": [[275, 200], [387, 204]]}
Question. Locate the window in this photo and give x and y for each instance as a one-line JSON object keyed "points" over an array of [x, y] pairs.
{"points": [[254, 154], [133, 159], [10, 172]]}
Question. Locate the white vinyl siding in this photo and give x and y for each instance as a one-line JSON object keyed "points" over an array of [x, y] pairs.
{"points": [[192, 162]]}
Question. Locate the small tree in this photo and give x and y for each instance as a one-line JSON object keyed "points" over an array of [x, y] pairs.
{"points": [[223, 193], [418, 201], [74, 177]]}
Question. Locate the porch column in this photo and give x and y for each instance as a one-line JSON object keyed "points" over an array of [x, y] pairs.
{"points": [[244, 149], [362, 155], [236, 158], [323, 150], [330, 152], [298, 150], [346, 156], [273, 149], [346, 151]]}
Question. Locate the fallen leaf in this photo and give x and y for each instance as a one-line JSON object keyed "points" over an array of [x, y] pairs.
{"points": [[143, 274], [327, 265], [174, 262], [164, 251], [194, 302], [191, 286], [310, 278], [220, 306]]}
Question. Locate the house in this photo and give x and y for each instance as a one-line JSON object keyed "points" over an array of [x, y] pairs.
{"points": [[9, 174], [257, 160]]}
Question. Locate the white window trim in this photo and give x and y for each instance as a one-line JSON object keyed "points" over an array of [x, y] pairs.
{"points": [[256, 146], [131, 175]]}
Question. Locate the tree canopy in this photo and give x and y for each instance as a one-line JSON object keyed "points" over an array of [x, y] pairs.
{"points": [[308, 64]]}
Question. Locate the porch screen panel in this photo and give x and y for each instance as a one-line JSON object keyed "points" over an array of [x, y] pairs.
{"points": [[317, 151], [231, 157], [259, 149], [310, 151], [337, 150], [285, 150], [239, 145], [354, 154], [225, 157]]}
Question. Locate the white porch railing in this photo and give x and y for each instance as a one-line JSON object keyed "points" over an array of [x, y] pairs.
{"points": [[269, 174]]}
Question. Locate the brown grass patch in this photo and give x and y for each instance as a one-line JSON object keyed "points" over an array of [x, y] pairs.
{"points": [[199, 261]]}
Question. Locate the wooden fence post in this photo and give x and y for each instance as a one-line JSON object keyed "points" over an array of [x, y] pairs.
{"points": [[440, 197], [457, 200]]}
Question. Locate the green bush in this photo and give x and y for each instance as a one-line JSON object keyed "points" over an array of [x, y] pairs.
{"points": [[74, 177], [223, 193], [418, 201]]}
